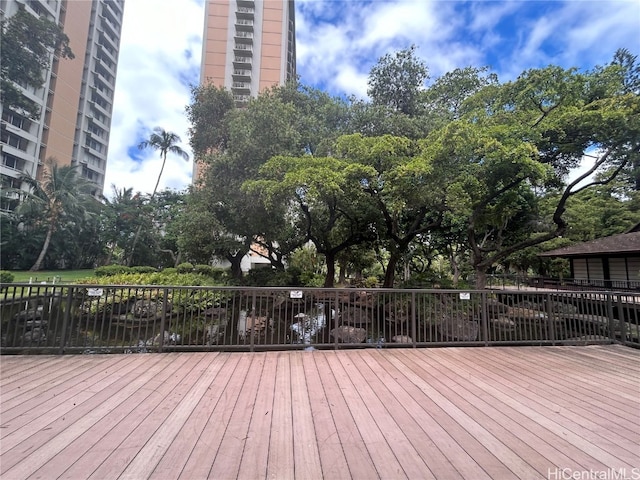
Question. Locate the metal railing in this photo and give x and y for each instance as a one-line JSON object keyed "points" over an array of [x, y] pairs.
{"points": [[525, 281], [49, 318]]}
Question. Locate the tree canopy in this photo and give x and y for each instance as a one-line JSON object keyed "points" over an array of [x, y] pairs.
{"points": [[28, 44]]}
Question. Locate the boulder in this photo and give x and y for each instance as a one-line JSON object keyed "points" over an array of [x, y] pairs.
{"points": [[401, 339], [396, 314], [459, 329], [347, 334], [356, 316], [149, 309]]}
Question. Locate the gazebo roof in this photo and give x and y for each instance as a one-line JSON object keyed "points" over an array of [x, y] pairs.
{"points": [[615, 244]]}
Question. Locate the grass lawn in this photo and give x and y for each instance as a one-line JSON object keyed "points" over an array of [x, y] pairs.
{"points": [[63, 276]]}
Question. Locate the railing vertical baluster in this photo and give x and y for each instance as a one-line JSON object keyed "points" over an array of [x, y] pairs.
{"points": [[335, 322], [253, 314], [165, 297], [65, 321], [413, 320], [612, 331], [551, 320], [484, 316]]}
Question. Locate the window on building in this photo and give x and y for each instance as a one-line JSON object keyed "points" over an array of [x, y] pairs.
{"points": [[16, 120], [93, 144], [13, 141], [11, 161]]}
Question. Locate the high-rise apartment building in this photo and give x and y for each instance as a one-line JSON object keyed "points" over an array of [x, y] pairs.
{"points": [[248, 45], [76, 100]]}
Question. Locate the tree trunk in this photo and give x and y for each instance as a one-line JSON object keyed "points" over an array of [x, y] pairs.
{"points": [[330, 259], [342, 274], [481, 278], [390, 273], [47, 240], [236, 267]]}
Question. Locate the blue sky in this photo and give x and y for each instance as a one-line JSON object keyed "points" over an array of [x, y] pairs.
{"points": [[338, 41]]}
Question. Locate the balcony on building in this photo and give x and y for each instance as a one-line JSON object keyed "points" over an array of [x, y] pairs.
{"points": [[241, 88], [245, 12], [241, 75], [244, 24], [242, 36], [243, 49], [241, 62], [241, 99]]}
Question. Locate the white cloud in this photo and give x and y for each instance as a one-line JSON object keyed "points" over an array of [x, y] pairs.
{"points": [[151, 90], [338, 41]]}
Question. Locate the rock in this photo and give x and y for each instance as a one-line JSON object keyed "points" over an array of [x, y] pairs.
{"points": [[396, 314], [401, 339], [215, 312], [563, 308], [169, 338], [36, 335], [29, 315], [494, 307], [346, 334], [356, 316], [504, 322], [459, 329], [251, 324], [523, 313], [148, 309]]}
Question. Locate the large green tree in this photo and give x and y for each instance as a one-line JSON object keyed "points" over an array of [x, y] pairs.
{"points": [[522, 140], [164, 142], [28, 45], [325, 200], [60, 198]]}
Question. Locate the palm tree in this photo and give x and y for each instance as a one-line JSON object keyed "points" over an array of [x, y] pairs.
{"points": [[165, 142], [61, 193]]}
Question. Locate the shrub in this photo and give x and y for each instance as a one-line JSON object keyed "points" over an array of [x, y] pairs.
{"points": [[110, 270], [185, 267], [371, 282], [203, 270], [143, 269], [267, 277], [169, 271], [6, 277]]}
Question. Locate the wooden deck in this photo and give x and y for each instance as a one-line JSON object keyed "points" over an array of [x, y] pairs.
{"points": [[469, 413]]}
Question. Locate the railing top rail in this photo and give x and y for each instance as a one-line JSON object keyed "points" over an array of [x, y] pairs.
{"points": [[318, 289]]}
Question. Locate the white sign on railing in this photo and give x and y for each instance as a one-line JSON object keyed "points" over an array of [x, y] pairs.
{"points": [[295, 294]]}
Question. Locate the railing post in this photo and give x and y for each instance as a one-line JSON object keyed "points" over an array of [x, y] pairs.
{"points": [[612, 326], [413, 319], [551, 323], [253, 320], [484, 315], [165, 296], [65, 320], [335, 322]]}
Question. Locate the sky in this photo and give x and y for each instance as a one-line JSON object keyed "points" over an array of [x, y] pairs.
{"points": [[337, 42]]}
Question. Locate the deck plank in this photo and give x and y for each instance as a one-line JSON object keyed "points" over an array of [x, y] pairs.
{"points": [[129, 447], [450, 413], [280, 464], [255, 455], [537, 408], [174, 459], [576, 410], [332, 455], [306, 455], [45, 443], [358, 458], [93, 445], [199, 463]]}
